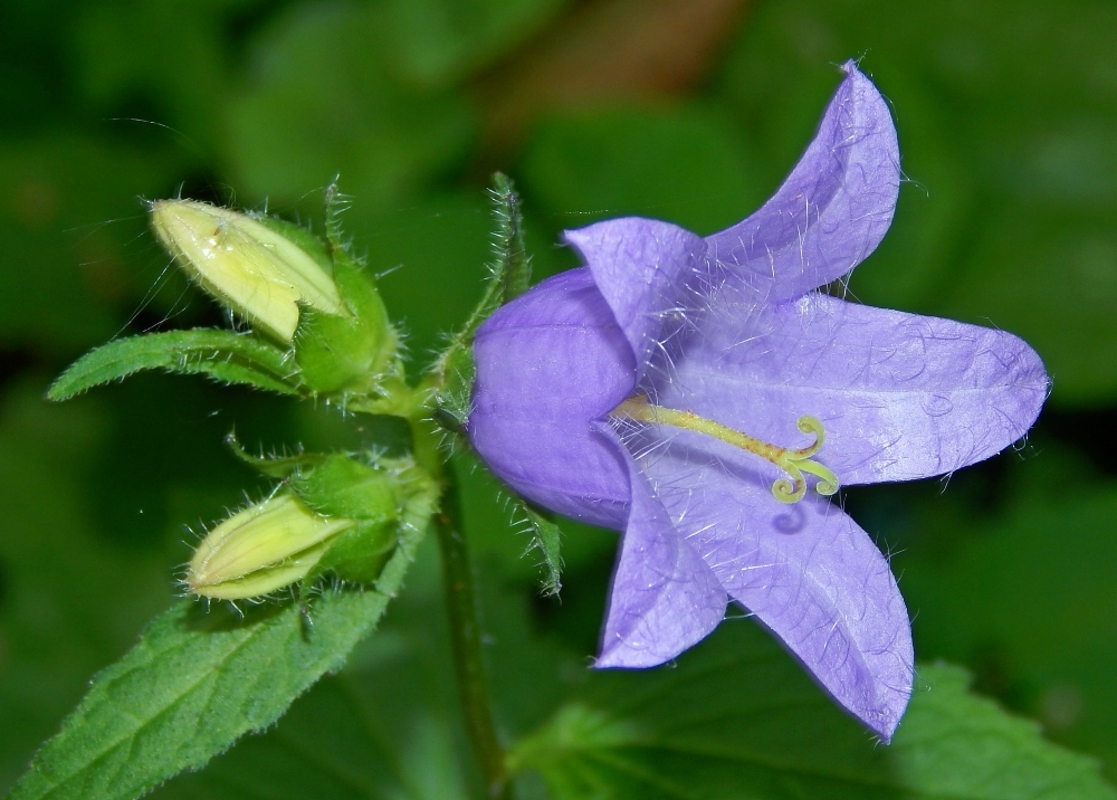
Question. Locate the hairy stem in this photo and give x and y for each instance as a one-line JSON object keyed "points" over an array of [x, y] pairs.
{"points": [[465, 625], [465, 633]]}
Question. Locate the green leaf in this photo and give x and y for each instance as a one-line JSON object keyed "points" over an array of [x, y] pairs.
{"points": [[196, 682], [547, 539], [225, 356], [193, 684], [956, 744], [389, 725], [739, 718], [1025, 596]]}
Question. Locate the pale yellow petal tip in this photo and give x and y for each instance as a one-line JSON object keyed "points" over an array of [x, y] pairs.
{"points": [[260, 549], [246, 265]]}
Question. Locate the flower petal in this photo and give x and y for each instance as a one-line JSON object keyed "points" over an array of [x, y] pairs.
{"points": [[901, 396], [547, 364], [806, 570], [664, 598], [640, 267], [833, 209]]}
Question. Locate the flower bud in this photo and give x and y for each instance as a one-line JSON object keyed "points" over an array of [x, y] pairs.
{"points": [[247, 264], [374, 496], [261, 549]]}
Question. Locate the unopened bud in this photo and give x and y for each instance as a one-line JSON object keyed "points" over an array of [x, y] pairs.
{"points": [[249, 267], [263, 548]]}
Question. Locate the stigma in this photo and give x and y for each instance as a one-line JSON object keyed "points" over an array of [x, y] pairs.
{"points": [[794, 462]]}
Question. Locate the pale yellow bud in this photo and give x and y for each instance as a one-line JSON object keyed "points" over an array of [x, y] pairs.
{"points": [[263, 548], [245, 264]]}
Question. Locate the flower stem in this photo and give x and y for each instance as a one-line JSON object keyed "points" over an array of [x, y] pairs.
{"points": [[465, 633], [461, 606]]}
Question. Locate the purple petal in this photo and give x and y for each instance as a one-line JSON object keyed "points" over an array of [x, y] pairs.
{"points": [[831, 212], [640, 267], [664, 598], [806, 570], [901, 396], [547, 365]]}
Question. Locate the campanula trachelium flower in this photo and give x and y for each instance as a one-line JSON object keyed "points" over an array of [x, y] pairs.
{"points": [[703, 396]]}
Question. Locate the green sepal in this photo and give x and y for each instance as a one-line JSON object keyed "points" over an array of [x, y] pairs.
{"points": [[222, 355], [546, 537], [274, 466], [342, 486], [512, 265], [351, 353], [357, 555], [509, 277], [384, 497], [336, 204]]}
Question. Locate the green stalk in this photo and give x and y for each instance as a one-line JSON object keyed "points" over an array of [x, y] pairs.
{"points": [[465, 625]]}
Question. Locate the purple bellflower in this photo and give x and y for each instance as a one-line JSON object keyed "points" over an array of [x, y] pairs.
{"points": [[703, 396]]}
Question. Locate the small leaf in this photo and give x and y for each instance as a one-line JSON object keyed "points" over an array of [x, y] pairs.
{"points": [[224, 356], [547, 539], [1023, 594], [956, 744], [737, 717], [274, 466], [196, 682]]}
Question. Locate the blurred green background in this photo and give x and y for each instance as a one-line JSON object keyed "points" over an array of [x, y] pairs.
{"points": [[686, 110]]}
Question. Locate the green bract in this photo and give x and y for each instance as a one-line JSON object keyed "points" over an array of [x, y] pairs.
{"points": [[352, 353], [381, 497]]}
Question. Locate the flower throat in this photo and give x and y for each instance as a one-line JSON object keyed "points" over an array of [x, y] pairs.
{"points": [[793, 462]]}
